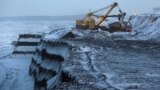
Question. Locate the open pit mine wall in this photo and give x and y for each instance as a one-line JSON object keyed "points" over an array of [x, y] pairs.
{"points": [[27, 43], [145, 21], [148, 25], [46, 65]]}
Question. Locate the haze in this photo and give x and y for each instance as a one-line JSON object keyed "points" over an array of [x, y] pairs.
{"points": [[69, 7]]}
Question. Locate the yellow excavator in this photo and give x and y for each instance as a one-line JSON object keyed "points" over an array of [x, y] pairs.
{"points": [[89, 22]]}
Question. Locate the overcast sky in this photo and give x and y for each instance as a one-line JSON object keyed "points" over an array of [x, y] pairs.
{"points": [[69, 7]]}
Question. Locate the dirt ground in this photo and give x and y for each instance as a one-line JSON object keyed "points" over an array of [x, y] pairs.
{"points": [[118, 64]]}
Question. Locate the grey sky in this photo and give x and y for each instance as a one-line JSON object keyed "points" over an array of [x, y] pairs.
{"points": [[69, 7]]}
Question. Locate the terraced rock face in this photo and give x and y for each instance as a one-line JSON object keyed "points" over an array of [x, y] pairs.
{"points": [[46, 66], [97, 62], [27, 43], [57, 64]]}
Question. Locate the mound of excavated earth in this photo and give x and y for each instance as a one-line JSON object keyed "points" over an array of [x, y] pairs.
{"points": [[145, 27]]}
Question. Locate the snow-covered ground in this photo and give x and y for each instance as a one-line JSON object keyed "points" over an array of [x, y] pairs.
{"points": [[145, 27], [10, 30], [14, 70], [14, 73], [126, 65]]}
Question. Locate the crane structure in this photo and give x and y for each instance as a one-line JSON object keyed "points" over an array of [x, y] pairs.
{"points": [[89, 21]]}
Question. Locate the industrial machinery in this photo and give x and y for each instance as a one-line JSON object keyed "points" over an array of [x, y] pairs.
{"points": [[89, 22]]}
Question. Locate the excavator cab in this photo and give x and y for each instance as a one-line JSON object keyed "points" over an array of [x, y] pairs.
{"points": [[88, 23]]}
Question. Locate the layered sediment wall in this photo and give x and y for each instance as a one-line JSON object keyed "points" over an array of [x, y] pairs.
{"points": [[65, 64], [27, 43], [46, 65]]}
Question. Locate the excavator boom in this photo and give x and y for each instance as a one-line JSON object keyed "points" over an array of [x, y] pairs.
{"points": [[112, 7]]}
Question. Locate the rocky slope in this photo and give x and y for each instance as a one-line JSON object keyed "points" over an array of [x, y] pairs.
{"points": [[96, 61], [88, 60]]}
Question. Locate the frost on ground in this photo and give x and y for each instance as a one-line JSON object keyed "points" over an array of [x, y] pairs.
{"points": [[123, 64], [10, 30], [14, 73], [104, 63], [108, 60], [14, 69]]}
